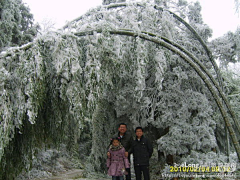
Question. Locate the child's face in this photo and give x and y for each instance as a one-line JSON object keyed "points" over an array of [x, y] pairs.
{"points": [[115, 143]]}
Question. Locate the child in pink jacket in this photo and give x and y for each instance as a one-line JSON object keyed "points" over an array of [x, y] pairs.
{"points": [[118, 161]]}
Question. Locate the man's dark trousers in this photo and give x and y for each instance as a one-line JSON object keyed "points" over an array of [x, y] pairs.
{"points": [[139, 170], [128, 176]]}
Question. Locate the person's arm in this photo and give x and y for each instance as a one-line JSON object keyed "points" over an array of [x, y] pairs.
{"points": [[108, 160], [125, 159], [108, 154]]}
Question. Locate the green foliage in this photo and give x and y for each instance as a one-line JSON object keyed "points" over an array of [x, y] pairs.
{"points": [[74, 88], [16, 24]]}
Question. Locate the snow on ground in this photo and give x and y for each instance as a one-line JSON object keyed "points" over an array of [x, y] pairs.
{"points": [[74, 174]]}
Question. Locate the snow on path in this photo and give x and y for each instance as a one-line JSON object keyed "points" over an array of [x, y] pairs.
{"points": [[75, 174]]}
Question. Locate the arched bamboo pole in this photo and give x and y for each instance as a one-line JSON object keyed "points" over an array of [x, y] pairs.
{"points": [[173, 47], [187, 59], [29, 45], [231, 112], [188, 26], [196, 35], [225, 100]]}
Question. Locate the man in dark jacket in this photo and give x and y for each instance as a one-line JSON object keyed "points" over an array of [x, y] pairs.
{"points": [[142, 151], [126, 140]]}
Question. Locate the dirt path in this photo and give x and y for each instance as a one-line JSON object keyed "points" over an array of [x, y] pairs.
{"points": [[75, 174]]}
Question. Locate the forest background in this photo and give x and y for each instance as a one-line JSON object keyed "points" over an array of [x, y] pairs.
{"points": [[63, 92]]}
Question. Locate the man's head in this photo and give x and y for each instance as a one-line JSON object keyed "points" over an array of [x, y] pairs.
{"points": [[122, 128], [139, 132]]}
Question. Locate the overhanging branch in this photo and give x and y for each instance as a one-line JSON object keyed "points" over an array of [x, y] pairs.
{"points": [[187, 57]]}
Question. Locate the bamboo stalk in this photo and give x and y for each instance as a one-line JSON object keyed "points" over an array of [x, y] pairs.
{"points": [[188, 26], [203, 68], [191, 63]]}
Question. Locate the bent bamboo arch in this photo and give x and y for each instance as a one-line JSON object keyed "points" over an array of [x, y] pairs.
{"points": [[193, 62], [189, 58], [188, 26], [208, 79], [218, 84]]}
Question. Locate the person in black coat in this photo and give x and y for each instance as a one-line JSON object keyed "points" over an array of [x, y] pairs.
{"points": [[126, 140], [142, 151]]}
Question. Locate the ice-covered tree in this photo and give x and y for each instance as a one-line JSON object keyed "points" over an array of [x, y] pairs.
{"points": [[237, 5], [227, 48], [129, 62], [106, 2], [16, 24]]}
